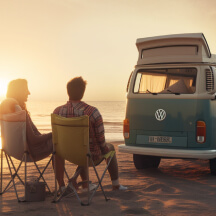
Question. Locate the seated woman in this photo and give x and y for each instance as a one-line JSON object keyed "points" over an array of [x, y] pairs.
{"points": [[40, 145]]}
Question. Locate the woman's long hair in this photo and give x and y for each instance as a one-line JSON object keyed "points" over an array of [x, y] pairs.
{"points": [[16, 89]]}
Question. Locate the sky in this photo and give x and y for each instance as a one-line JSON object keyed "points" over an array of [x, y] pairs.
{"points": [[48, 42]]}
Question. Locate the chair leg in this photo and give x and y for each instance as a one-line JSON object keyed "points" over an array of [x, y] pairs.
{"points": [[66, 174], [55, 200], [16, 170], [75, 192], [41, 173], [89, 197], [55, 196], [12, 178], [100, 179], [25, 180], [13, 175]]}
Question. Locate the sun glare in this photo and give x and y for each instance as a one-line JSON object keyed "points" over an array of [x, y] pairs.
{"points": [[3, 87], [3, 90]]}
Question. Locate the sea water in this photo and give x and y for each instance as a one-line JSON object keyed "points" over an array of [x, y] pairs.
{"points": [[113, 113]]}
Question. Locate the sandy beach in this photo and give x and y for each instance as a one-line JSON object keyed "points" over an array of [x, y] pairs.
{"points": [[178, 187]]}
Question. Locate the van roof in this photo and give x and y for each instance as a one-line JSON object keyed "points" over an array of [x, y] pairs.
{"points": [[176, 48]]}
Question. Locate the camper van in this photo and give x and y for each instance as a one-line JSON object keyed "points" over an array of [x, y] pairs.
{"points": [[171, 106]]}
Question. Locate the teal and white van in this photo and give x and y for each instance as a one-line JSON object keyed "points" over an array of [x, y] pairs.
{"points": [[171, 106]]}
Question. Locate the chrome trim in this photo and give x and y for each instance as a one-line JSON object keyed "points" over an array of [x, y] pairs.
{"points": [[176, 153]]}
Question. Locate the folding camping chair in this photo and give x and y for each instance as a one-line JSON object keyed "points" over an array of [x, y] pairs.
{"points": [[14, 145], [71, 142]]}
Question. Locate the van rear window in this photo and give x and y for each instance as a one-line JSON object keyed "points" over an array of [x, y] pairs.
{"points": [[166, 81]]}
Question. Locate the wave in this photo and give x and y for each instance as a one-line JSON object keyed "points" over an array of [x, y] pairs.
{"points": [[42, 115], [113, 123], [47, 123]]}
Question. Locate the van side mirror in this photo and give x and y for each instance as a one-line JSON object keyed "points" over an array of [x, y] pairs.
{"points": [[211, 80]]}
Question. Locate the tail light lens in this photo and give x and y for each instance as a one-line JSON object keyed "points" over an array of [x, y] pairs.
{"points": [[201, 132], [126, 129]]}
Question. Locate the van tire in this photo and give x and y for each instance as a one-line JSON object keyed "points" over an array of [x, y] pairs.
{"points": [[212, 165], [145, 161]]}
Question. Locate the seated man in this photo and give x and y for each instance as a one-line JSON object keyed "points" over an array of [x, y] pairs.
{"points": [[75, 107]]}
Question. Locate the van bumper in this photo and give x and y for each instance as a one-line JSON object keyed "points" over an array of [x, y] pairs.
{"points": [[172, 153]]}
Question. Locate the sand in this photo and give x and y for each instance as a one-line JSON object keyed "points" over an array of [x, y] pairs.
{"points": [[177, 187]]}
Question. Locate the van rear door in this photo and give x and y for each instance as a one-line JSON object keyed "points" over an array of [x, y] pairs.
{"points": [[159, 110]]}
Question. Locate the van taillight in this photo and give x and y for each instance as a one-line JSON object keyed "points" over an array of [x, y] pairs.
{"points": [[201, 132], [126, 129]]}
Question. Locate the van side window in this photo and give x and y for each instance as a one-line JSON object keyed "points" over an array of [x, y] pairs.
{"points": [[166, 81], [137, 83]]}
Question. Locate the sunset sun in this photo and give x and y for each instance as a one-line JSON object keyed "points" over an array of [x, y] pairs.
{"points": [[3, 87], [3, 90]]}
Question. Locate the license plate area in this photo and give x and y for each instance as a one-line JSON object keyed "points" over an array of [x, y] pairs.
{"points": [[160, 139]]}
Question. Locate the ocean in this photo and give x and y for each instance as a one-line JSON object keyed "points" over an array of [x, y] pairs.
{"points": [[113, 114]]}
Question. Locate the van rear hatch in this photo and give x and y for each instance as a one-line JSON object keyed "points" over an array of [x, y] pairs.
{"points": [[163, 110], [166, 122]]}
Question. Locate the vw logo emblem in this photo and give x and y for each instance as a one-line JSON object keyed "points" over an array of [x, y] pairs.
{"points": [[160, 114]]}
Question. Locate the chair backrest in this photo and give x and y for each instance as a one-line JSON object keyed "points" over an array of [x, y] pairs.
{"points": [[71, 138], [13, 133]]}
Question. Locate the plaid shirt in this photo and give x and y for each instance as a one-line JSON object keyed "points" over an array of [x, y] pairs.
{"points": [[96, 129]]}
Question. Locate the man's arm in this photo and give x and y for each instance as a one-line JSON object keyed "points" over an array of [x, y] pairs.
{"points": [[99, 132]]}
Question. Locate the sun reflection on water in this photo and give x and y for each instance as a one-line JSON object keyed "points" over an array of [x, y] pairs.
{"points": [[0, 139]]}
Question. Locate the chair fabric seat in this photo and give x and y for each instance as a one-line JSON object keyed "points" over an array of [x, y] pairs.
{"points": [[71, 142], [13, 130], [14, 145]]}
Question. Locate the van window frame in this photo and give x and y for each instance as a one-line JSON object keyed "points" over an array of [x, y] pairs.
{"points": [[141, 69], [161, 47], [129, 81]]}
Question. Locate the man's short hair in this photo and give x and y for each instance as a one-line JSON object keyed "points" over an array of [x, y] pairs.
{"points": [[76, 88]]}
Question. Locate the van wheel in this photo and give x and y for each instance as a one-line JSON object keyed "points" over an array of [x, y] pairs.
{"points": [[145, 161], [212, 164]]}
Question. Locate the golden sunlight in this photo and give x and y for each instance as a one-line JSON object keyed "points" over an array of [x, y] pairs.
{"points": [[0, 139], [3, 86]]}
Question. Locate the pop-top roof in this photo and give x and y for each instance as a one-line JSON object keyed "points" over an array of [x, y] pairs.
{"points": [[177, 48]]}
